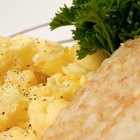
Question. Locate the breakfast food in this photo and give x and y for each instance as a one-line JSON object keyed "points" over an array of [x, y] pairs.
{"points": [[107, 107], [38, 78]]}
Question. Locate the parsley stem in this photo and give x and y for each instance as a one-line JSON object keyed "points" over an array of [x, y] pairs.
{"points": [[108, 36], [107, 52]]}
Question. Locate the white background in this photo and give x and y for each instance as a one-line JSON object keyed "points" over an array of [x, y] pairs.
{"points": [[19, 15]]}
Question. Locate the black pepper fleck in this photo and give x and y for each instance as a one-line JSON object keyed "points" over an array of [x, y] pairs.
{"points": [[11, 135], [44, 100]]}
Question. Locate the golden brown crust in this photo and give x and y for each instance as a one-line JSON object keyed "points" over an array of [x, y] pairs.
{"points": [[104, 104]]}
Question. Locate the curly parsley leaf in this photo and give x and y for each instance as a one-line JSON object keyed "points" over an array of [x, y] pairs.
{"points": [[100, 25]]}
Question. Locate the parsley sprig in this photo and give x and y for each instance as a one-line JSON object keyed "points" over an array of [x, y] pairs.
{"points": [[100, 25]]}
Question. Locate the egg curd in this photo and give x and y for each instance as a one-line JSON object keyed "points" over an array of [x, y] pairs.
{"points": [[38, 78]]}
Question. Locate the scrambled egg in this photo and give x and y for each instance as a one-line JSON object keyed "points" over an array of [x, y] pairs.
{"points": [[38, 78]]}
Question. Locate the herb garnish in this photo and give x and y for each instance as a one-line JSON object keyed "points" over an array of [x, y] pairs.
{"points": [[100, 25]]}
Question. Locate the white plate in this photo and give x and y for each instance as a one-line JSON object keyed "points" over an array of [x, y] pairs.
{"points": [[20, 15]]}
